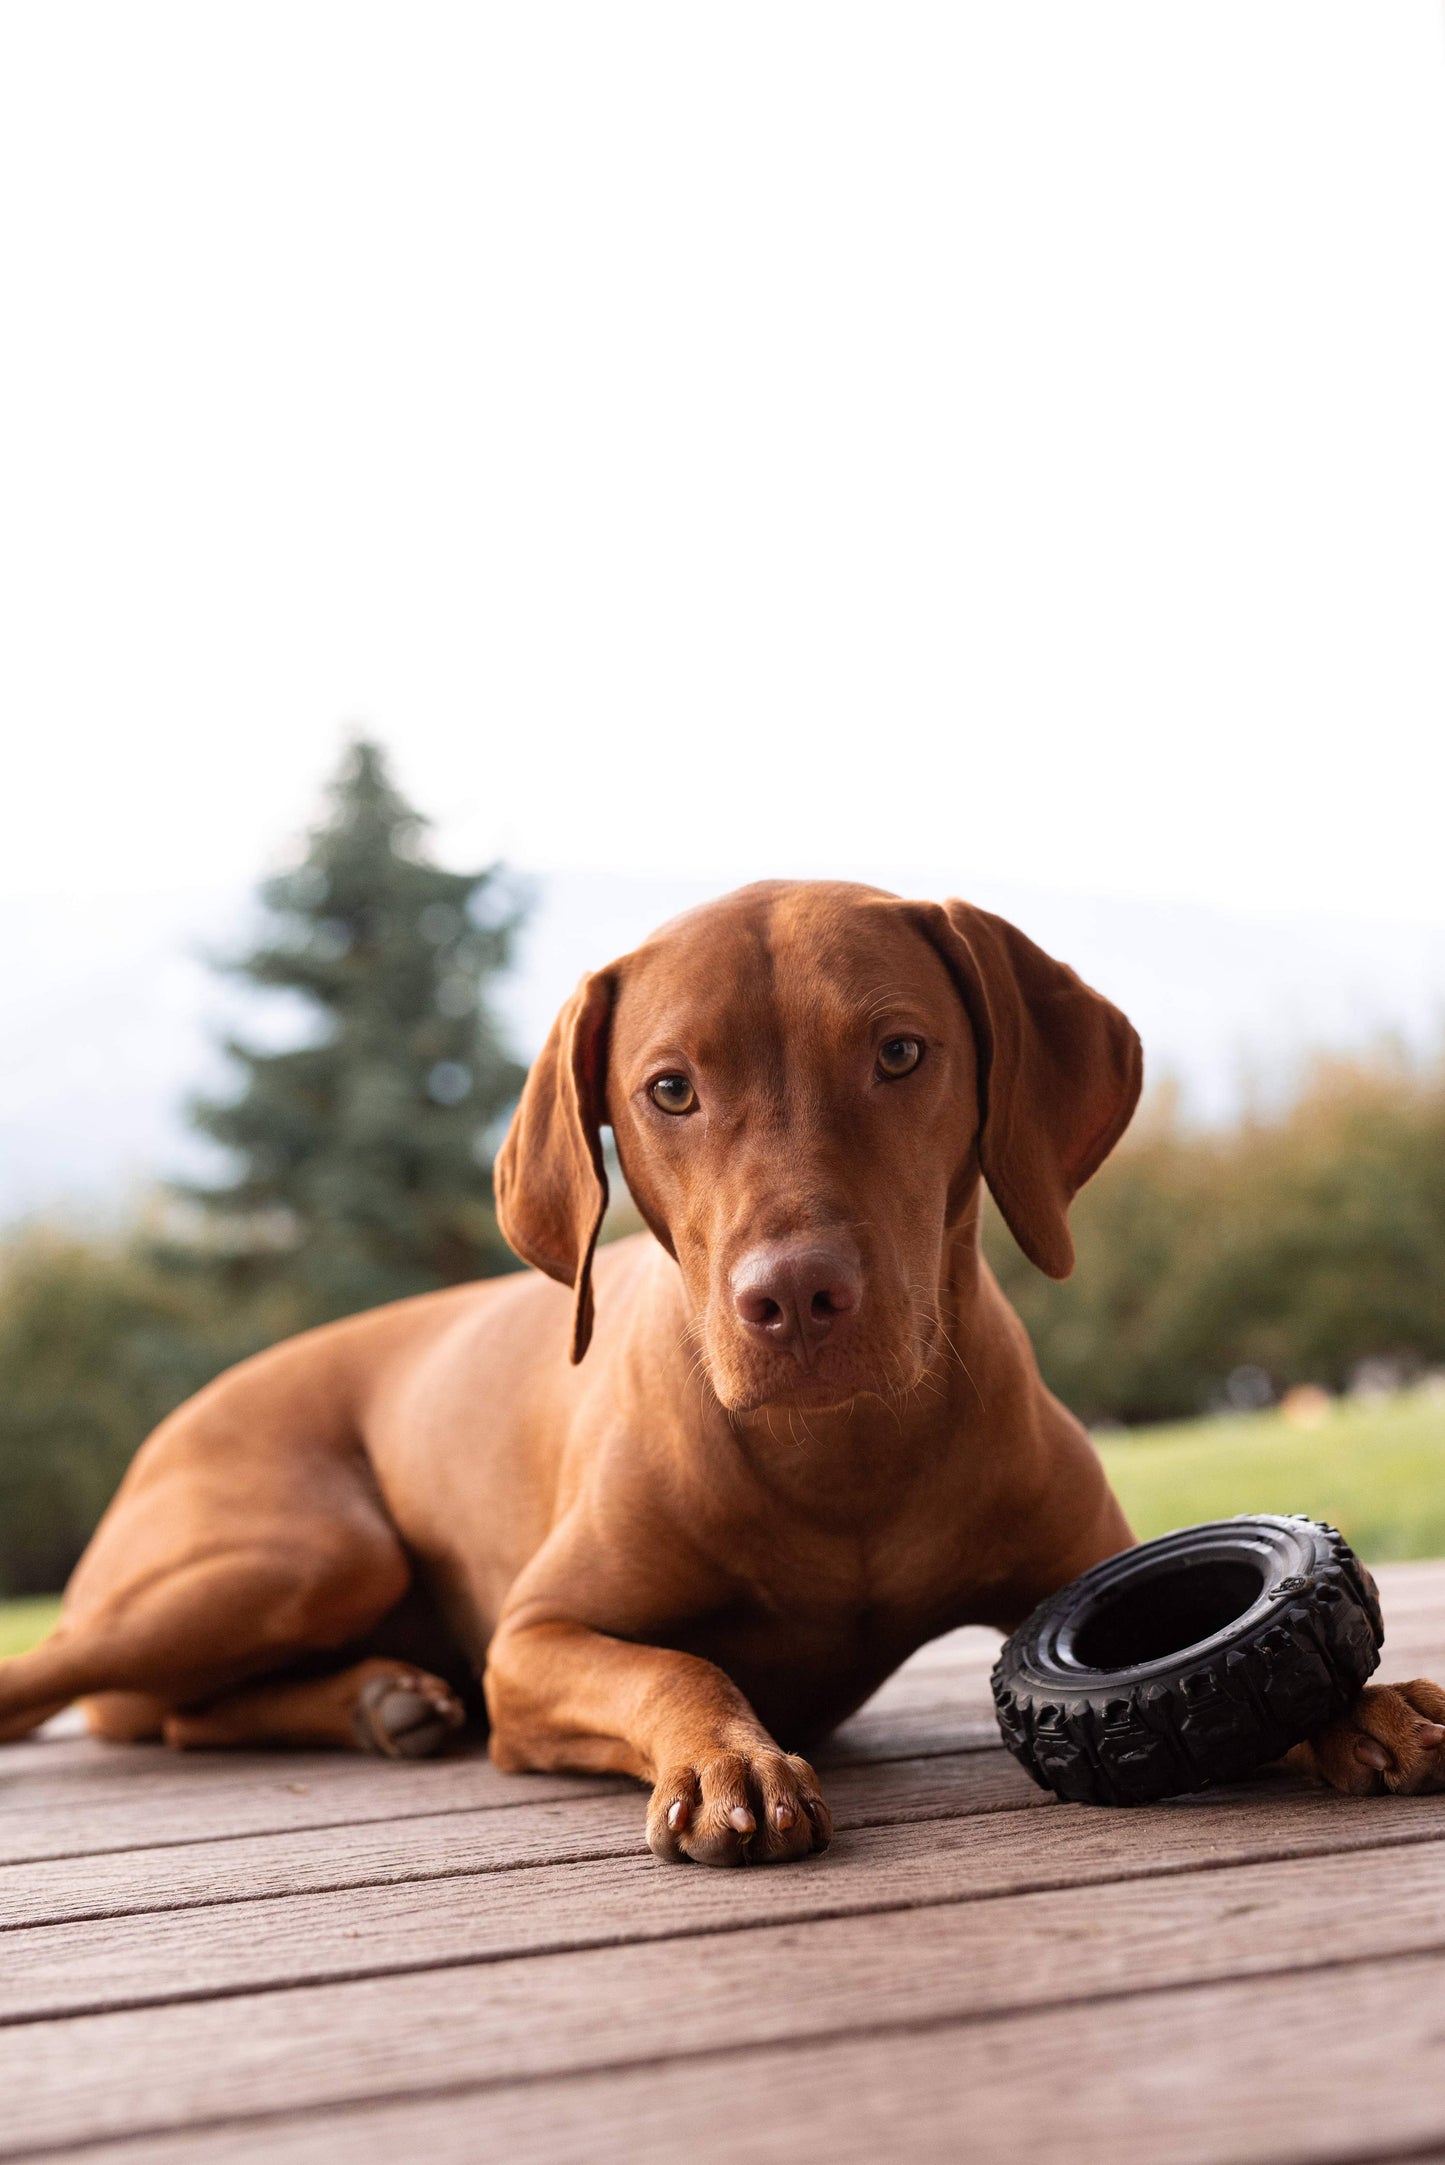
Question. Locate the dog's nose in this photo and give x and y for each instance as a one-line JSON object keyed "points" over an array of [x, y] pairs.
{"points": [[792, 1292]]}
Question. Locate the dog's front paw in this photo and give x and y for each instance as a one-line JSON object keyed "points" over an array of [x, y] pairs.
{"points": [[754, 1807], [1392, 1739]]}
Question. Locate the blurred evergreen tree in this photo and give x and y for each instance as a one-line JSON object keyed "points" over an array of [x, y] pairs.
{"points": [[363, 1153]]}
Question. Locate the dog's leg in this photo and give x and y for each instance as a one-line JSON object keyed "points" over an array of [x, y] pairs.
{"points": [[723, 1792], [35, 1685], [374, 1706], [182, 1637], [16, 1725]]}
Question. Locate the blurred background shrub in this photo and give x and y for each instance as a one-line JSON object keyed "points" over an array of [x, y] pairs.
{"points": [[97, 1344], [1218, 1267]]}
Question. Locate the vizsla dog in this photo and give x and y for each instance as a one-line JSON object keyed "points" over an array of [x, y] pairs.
{"points": [[809, 1433]]}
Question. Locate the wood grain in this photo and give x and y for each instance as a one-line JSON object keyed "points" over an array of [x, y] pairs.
{"points": [[306, 1938], [547, 2016], [1327, 2066], [193, 1797], [77, 1797], [191, 1875]]}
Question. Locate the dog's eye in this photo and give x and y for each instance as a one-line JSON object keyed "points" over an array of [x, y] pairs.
{"points": [[899, 1056], [674, 1093]]}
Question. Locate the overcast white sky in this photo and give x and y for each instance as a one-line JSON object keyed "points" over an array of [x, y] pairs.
{"points": [[991, 448], [721, 441]]}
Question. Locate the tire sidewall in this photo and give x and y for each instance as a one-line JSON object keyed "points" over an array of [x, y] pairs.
{"points": [[1204, 1713]]}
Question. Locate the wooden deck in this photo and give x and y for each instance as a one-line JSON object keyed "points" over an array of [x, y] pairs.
{"points": [[313, 1958]]}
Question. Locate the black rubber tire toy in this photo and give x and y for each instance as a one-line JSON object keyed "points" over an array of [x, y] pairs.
{"points": [[1188, 1661]]}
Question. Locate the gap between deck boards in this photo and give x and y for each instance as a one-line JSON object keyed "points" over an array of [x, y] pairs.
{"points": [[1284, 2056], [281, 1944], [455, 1844]]}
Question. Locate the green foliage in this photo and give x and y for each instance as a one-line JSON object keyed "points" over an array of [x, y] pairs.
{"points": [[96, 1346], [1301, 1244], [24, 1624], [363, 1153], [1377, 1471]]}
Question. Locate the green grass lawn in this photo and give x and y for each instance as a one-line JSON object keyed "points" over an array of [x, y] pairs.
{"points": [[22, 1623], [1375, 1471]]}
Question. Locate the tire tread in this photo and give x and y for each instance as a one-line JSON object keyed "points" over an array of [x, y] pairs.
{"points": [[1207, 1718]]}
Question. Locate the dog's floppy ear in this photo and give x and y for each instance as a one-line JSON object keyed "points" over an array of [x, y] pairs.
{"points": [[1060, 1072], [550, 1179]]}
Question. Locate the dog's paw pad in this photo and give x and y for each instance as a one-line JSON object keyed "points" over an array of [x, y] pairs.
{"points": [[404, 1717], [1391, 1741]]}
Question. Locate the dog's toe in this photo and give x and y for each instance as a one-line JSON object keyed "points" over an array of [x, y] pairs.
{"points": [[731, 1808], [1392, 1740], [405, 1716]]}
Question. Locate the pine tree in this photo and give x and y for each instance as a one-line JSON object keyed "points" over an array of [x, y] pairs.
{"points": [[364, 1152]]}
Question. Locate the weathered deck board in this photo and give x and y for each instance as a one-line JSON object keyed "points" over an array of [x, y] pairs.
{"points": [[303, 1957], [559, 2014], [379, 1852], [176, 1803], [490, 1916], [1332, 2065]]}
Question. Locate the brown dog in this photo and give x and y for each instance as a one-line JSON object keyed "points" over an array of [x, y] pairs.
{"points": [[810, 1436]]}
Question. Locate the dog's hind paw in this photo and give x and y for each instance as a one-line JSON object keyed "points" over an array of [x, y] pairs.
{"points": [[754, 1807], [404, 1713], [1392, 1740]]}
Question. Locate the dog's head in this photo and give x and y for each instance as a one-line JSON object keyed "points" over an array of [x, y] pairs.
{"points": [[805, 1081]]}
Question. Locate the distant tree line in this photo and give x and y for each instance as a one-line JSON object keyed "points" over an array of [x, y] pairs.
{"points": [[358, 1169], [1294, 1247]]}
